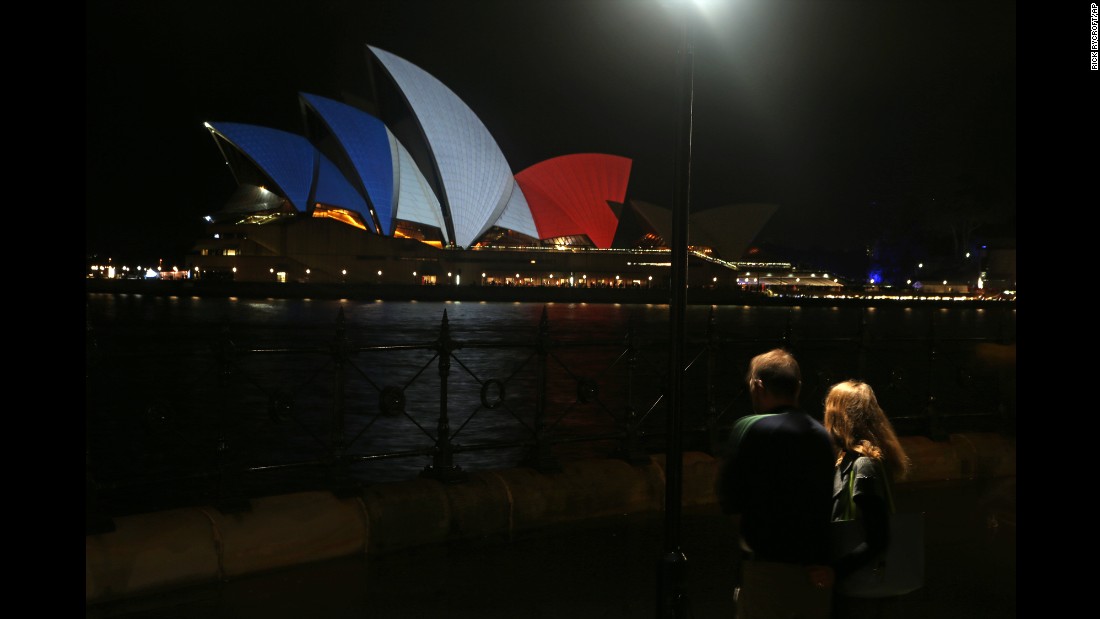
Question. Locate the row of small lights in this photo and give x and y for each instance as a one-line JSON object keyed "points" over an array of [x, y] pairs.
{"points": [[901, 297], [95, 267], [105, 267], [570, 248], [111, 269], [449, 274], [797, 279], [344, 272]]}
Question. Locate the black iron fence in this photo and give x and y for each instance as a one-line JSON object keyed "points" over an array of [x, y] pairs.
{"points": [[215, 421]]}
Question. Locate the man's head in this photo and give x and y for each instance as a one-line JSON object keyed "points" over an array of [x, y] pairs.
{"points": [[774, 380]]}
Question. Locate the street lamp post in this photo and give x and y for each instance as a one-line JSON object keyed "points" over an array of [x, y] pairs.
{"points": [[672, 599]]}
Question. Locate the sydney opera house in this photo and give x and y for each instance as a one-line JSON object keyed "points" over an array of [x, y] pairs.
{"points": [[417, 191]]}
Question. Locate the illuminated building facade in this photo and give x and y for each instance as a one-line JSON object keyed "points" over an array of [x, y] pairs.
{"points": [[420, 193]]}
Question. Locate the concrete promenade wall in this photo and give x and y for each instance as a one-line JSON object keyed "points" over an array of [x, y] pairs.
{"points": [[154, 552]]}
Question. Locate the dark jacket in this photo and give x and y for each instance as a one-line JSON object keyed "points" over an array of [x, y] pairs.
{"points": [[872, 508], [777, 474]]}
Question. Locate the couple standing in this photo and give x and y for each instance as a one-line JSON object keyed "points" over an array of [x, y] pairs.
{"points": [[786, 477]]}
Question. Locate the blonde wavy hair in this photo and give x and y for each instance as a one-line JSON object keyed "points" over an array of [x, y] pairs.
{"points": [[857, 423]]}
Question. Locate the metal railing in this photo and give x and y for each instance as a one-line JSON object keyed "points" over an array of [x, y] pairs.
{"points": [[220, 422]]}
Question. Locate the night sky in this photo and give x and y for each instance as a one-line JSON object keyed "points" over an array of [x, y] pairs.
{"points": [[854, 116]]}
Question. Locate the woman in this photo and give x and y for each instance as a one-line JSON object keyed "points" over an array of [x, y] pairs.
{"points": [[870, 451]]}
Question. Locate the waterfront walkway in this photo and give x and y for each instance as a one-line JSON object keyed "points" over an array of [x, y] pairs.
{"points": [[604, 570]]}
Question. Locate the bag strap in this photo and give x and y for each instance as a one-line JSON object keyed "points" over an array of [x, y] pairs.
{"points": [[850, 508]]}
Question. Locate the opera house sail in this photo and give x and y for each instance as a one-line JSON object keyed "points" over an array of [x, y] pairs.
{"points": [[413, 189]]}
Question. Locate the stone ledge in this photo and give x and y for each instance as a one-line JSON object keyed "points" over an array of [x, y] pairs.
{"points": [[164, 550]]}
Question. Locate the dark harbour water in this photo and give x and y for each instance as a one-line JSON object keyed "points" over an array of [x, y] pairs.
{"points": [[196, 398]]}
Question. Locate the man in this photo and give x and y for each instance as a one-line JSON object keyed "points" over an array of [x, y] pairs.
{"points": [[776, 479]]}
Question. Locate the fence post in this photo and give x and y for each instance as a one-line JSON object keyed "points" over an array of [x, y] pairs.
{"points": [[95, 521], [342, 484], [227, 495], [787, 340], [228, 498], [714, 440], [632, 447], [936, 430], [541, 457], [443, 467], [1006, 380], [864, 345]]}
